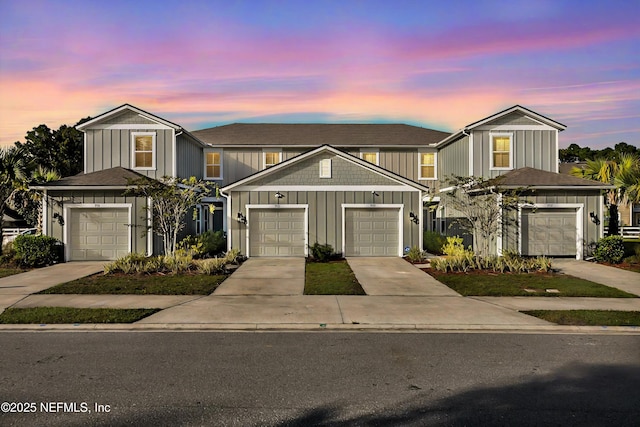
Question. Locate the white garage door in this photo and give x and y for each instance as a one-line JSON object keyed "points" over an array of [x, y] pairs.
{"points": [[276, 232], [98, 233], [549, 232], [371, 232]]}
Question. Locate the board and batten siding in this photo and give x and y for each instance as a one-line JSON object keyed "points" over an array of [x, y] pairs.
{"points": [[453, 160], [56, 201], [325, 212], [108, 148], [239, 163], [190, 158], [590, 199]]}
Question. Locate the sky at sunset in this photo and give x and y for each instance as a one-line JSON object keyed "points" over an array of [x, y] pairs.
{"points": [[437, 64]]}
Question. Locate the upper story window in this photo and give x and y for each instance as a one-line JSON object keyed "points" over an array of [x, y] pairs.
{"points": [[271, 158], [501, 151], [213, 165], [371, 156], [144, 150], [325, 168], [427, 166]]}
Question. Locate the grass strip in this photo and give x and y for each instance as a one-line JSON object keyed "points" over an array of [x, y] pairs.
{"points": [[51, 315], [588, 317], [506, 284], [331, 278], [4, 272], [121, 284]]}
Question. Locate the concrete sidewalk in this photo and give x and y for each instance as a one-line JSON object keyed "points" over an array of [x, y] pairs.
{"points": [[625, 280], [266, 276]]}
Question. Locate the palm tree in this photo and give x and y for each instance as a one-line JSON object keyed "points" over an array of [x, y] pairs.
{"points": [[28, 201], [624, 174], [13, 171]]}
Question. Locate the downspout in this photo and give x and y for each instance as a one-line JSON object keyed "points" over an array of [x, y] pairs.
{"points": [[226, 196]]}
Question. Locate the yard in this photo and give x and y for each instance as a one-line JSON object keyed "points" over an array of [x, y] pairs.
{"points": [[588, 317], [483, 283], [9, 271], [331, 278], [49, 315]]}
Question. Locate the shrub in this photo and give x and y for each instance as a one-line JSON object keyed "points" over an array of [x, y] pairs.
{"points": [[233, 256], [180, 262], [207, 244], [453, 247], [8, 254], [322, 253], [135, 263], [433, 242], [610, 249], [415, 255], [211, 265], [36, 251]]}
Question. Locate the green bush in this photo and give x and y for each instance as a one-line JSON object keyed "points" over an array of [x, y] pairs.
{"points": [[37, 251], [609, 249], [8, 254], [433, 242], [415, 255], [322, 253], [454, 247], [211, 265], [512, 263], [207, 244]]}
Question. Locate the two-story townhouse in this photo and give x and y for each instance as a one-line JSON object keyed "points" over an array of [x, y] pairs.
{"points": [[366, 189]]}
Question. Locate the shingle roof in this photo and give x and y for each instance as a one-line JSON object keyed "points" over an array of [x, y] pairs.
{"points": [[530, 177], [312, 135], [113, 177]]}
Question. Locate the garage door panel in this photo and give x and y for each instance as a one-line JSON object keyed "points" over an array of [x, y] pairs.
{"points": [[277, 232], [98, 233], [371, 231], [549, 232]]}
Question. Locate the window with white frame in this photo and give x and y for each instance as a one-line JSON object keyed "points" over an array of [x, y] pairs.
{"points": [[371, 156], [325, 168], [501, 151], [427, 165], [271, 158], [144, 150], [213, 165]]}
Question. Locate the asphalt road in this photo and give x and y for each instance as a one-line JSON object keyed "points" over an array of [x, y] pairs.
{"points": [[322, 378]]}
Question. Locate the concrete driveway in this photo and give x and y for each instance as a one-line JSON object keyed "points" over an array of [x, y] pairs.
{"points": [[628, 281], [266, 276], [391, 276]]}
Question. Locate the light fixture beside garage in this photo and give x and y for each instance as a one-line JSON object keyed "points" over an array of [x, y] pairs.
{"points": [[279, 195], [414, 218], [241, 218], [594, 218]]}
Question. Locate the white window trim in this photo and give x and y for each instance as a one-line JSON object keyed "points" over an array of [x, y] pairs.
{"points": [[320, 165], [264, 156], [275, 207], [435, 166], [153, 151], [399, 207], [500, 134], [371, 150], [211, 178]]}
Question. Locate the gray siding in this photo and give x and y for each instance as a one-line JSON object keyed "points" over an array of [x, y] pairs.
{"points": [[514, 118], [190, 158], [325, 213], [238, 163], [536, 149], [129, 118], [58, 199], [453, 160], [108, 148]]}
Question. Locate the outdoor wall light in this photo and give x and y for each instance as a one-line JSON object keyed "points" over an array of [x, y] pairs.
{"points": [[594, 218], [279, 195], [414, 218], [241, 218], [374, 193]]}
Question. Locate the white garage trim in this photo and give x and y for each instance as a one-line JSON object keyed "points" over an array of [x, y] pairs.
{"points": [[275, 207], [67, 216], [149, 226], [399, 207], [579, 207]]}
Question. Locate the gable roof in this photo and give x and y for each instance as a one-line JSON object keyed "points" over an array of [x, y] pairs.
{"points": [[127, 107], [117, 177], [313, 135], [516, 108], [536, 178], [325, 148]]}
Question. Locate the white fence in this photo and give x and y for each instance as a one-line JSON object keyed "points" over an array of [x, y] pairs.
{"points": [[8, 234], [630, 232]]}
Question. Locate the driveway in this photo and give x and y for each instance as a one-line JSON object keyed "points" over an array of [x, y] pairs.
{"points": [[625, 280], [391, 276], [266, 276]]}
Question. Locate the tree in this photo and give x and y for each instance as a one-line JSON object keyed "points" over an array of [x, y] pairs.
{"points": [[28, 201], [481, 205], [58, 150], [171, 199], [623, 174], [13, 171]]}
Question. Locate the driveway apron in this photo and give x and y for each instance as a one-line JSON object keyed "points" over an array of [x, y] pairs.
{"points": [[393, 276], [625, 280], [266, 276]]}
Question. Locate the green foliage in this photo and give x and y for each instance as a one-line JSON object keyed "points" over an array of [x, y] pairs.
{"points": [[233, 256], [211, 243], [609, 249], [211, 265], [433, 242], [415, 255], [511, 262], [322, 253], [36, 251], [7, 255], [453, 246]]}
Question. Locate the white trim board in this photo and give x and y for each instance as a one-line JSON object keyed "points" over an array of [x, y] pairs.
{"points": [[275, 207], [67, 215], [325, 188], [579, 207], [400, 208]]}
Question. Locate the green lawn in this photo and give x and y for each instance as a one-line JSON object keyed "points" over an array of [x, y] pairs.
{"points": [[9, 271], [169, 284], [472, 284], [49, 315], [588, 317], [331, 278]]}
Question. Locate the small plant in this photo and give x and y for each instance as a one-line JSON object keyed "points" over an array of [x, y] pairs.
{"points": [[36, 251], [180, 262], [453, 247], [415, 255], [610, 249], [233, 256], [8, 254], [322, 253], [433, 242], [211, 265]]}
